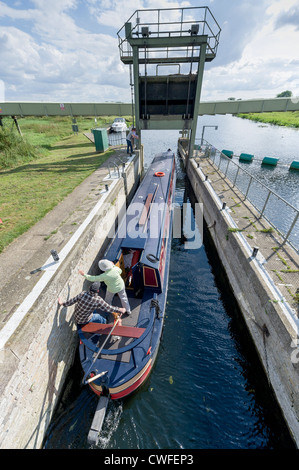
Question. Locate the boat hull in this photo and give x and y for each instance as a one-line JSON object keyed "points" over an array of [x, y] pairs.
{"points": [[127, 388], [124, 365]]}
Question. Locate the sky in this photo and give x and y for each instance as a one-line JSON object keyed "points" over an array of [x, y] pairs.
{"points": [[67, 50]]}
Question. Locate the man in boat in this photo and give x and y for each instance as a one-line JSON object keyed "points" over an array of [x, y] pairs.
{"points": [[86, 304], [114, 282], [130, 138]]}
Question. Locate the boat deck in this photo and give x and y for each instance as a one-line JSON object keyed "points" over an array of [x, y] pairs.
{"points": [[119, 360], [127, 321]]}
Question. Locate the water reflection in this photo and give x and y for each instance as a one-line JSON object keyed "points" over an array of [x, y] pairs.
{"points": [[245, 136]]}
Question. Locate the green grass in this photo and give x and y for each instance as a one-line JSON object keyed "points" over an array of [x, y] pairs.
{"points": [[61, 161], [288, 118], [14, 150], [39, 134]]}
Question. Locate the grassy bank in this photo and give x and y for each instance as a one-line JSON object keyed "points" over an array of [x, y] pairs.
{"points": [[38, 135], [61, 161], [289, 119]]}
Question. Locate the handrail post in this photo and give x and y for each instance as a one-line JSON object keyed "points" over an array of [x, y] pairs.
{"points": [[248, 187], [236, 176], [267, 199], [226, 167], [291, 228]]}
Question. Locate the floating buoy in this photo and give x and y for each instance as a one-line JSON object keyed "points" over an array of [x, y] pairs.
{"points": [[228, 153], [294, 165], [159, 173], [246, 157], [270, 161]]}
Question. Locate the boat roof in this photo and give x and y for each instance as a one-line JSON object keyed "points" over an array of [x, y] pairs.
{"points": [[145, 218]]}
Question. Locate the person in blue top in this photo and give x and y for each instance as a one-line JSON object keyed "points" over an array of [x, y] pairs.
{"points": [[111, 276], [131, 137]]}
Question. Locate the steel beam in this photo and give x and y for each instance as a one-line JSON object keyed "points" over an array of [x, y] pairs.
{"points": [[200, 72], [11, 108], [163, 42]]}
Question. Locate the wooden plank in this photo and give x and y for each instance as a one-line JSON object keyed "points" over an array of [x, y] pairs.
{"points": [[90, 136], [104, 329], [144, 214]]}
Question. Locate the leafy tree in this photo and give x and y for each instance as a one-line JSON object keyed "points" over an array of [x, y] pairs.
{"points": [[284, 94]]}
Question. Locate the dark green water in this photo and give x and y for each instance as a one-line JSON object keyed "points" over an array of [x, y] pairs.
{"points": [[207, 389]]}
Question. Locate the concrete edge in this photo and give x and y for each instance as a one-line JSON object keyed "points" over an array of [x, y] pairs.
{"points": [[38, 346]]}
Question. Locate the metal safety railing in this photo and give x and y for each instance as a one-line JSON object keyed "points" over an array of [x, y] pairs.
{"points": [[267, 202], [116, 139]]}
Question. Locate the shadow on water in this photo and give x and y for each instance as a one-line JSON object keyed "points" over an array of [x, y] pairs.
{"points": [[268, 429]]}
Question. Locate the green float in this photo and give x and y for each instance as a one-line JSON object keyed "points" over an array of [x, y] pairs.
{"points": [[228, 153], [270, 161], [246, 157], [294, 165]]}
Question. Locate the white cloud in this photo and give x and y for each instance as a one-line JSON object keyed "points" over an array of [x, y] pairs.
{"points": [[50, 52], [58, 60], [267, 62], [13, 13]]}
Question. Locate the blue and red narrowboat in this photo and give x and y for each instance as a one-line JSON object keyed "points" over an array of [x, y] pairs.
{"points": [[117, 357]]}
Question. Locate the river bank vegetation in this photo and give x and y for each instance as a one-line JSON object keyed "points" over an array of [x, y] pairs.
{"points": [[38, 134], [41, 167], [288, 118]]}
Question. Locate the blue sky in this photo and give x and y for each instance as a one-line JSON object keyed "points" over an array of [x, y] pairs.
{"points": [[67, 50]]}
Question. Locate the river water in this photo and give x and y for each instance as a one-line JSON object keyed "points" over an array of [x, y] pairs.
{"points": [[207, 389]]}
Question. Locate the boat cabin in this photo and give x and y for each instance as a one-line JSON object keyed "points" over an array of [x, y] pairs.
{"points": [[141, 254]]}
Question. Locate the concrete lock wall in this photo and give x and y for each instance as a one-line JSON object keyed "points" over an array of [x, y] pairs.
{"points": [[271, 330], [39, 354]]}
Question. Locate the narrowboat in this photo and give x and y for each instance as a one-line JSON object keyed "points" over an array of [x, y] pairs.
{"points": [[117, 357]]}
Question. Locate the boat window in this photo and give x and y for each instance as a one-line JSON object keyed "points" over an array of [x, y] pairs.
{"points": [[150, 277], [130, 258]]}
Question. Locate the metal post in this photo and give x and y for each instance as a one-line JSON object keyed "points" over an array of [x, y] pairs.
{"points": [[14, 118], [291, 228], [203, 130], [202, 133], [226, 167], [255, 251], [248, 187], [200, 71], [267, 199], [236, 176], [132, 95], [136, 90]]}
